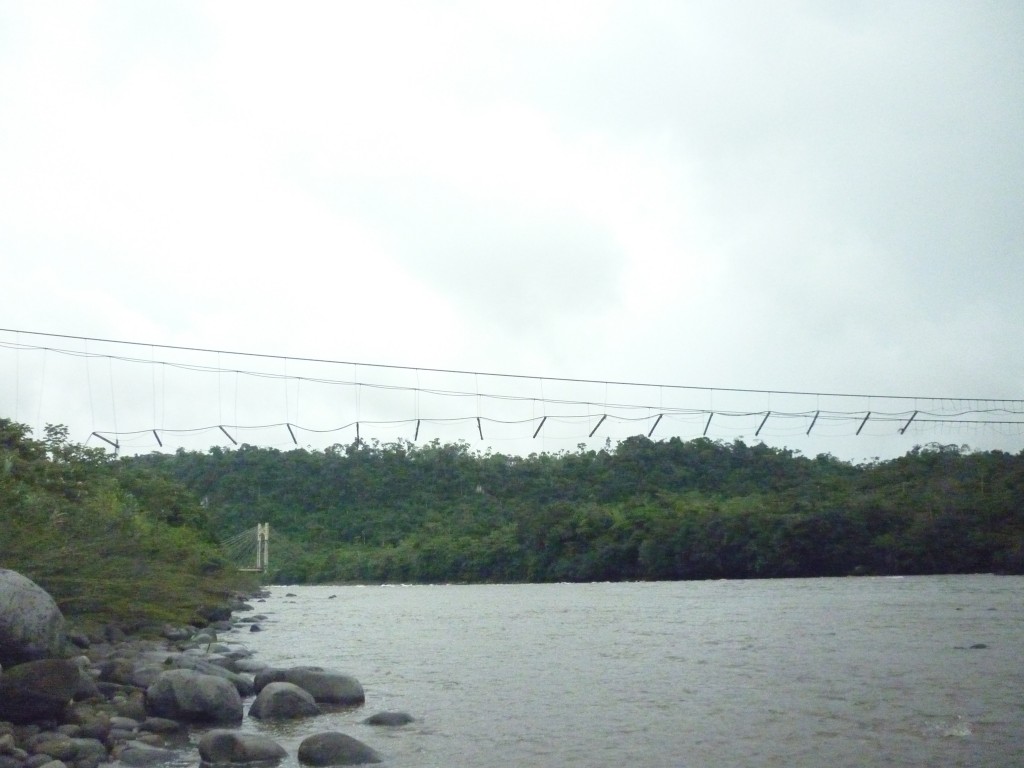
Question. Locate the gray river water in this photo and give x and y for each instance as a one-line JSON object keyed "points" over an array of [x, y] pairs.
{"points": [[821, 672]]}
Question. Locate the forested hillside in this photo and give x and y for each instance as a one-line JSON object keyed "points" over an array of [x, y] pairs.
{"points": [[670, 509], [109, 540]]}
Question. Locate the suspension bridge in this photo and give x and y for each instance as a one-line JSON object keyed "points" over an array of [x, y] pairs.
{"points": [[163, 397], [249, 550]]}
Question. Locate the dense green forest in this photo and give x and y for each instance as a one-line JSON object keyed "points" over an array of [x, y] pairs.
{"points": [[111, 541], [135, 538], [643, 509]]}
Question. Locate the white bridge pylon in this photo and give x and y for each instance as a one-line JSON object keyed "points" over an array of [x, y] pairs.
{"points": [[244, 545]]}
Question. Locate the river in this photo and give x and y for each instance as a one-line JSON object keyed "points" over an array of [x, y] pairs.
{"points": [[795, 673]]}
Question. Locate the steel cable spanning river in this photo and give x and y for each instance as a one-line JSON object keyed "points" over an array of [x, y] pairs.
{"points": [[917, 671]]}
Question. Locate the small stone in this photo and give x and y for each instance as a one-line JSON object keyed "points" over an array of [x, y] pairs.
{"points": [[89, 753], [389, 718], [136, 753], [57, 746], [124, 723], [120, 735], [160, 725]]}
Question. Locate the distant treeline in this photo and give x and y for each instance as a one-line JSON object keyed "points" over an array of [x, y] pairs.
{"points": [[670, 509]]}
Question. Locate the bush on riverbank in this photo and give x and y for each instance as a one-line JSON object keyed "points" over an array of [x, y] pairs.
{"points": [[109, 542]]}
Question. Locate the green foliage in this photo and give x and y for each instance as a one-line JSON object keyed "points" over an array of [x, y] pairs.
{"points": [[669, 509], [108, 540]]}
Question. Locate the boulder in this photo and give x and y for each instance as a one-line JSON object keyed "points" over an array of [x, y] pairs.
{"points": [[250, 665], [334, 748], [37, 690], [31, 624], [137, 753], [92, 721], [56, 745], [130, 702], [283, 701], [208, 667], [176, 634], [161, 725], [213, 613], [78, 638], [89, 753], [86, 688], [181, 694], [324, 686], [117, 671], [389, 718], [219, 746]]}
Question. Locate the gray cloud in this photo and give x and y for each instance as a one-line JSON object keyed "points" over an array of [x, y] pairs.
{"points": [[818, 198]]}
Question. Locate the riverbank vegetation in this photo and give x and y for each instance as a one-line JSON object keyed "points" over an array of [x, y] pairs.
{"points": [[643, 509], [135, 538], [111, 541]]}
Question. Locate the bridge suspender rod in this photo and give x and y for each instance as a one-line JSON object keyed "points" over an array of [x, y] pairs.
{"points": [[106, 440], [605, 416], [291, 433], [912, 417], [416, 436], [655, 426], [866, 417], [537, 431], [708, 424], [762, 423], [158, 440], [233, 441], [479, 428], [813, 421]]}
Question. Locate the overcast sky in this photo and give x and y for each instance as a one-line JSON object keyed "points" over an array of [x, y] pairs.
{"points": [[789, 196]]}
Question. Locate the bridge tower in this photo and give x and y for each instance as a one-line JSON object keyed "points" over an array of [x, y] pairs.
{"points": [[242, 546], [262, 547]]}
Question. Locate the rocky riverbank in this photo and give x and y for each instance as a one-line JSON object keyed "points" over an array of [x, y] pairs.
{"points": [[107, 696]]}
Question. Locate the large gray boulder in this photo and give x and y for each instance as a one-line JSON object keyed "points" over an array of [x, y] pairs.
{"points": [[220, 746], [37, 690], [143, 668], [283, 701], [333, 748], [31, 624], [209, 667], [324, 686], [181, 694]]}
